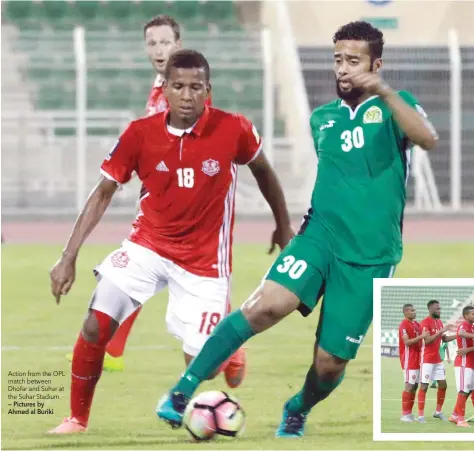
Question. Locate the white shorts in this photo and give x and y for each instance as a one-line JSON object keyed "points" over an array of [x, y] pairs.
{"points": [[195, 304], [432, 372], [464, 379], [411, 376]]}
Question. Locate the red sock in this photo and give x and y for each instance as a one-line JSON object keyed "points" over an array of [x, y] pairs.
{"points": [[116, 346], [421, 403], [406, 400], [440, 395], [412, 400], [87, 364], [460, 408]]}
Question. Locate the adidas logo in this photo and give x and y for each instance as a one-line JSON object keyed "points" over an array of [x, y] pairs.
{"points": [[161, 166]]}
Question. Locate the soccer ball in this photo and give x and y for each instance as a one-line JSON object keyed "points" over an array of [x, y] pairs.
{"points": [[214, 412]]}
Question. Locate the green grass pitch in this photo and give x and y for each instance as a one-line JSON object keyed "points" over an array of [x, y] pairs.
{"points": [[36, 334]]}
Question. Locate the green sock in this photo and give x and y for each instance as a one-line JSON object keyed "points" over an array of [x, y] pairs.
{"points": [[314, 391], [228, 336]]}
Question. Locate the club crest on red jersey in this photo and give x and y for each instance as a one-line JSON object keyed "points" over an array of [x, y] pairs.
{"points": [[120, 259], [210, 167]]}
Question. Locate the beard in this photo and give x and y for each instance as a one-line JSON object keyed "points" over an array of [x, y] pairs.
{"points": [[353, 94], [435, 315]]}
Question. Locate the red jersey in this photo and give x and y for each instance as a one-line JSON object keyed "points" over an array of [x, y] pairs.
{"points": [[467, 360], [157, 102], [430, 352], [187, 214], [409, 355]]}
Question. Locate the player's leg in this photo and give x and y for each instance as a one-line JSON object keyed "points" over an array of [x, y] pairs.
{"points": [[130, 276], [346, 314], [196, 305], [411, 379], [439, 374], [109, 306], [426, 375], [471, 418], [113, 360], [464, 381], [291, 280]]}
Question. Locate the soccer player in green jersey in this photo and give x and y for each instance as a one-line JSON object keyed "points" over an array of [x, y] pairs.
{"points": [[351, 234]]}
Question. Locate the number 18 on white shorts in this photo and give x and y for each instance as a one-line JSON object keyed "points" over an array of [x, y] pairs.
{"points": [[196, 304]]}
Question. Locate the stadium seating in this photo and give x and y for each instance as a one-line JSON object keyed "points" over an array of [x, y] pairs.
{"points": [[393, 298], [97, 15], [118, 73]]}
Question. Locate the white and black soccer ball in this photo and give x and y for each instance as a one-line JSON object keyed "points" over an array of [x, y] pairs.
{"points": [[214, 412]]}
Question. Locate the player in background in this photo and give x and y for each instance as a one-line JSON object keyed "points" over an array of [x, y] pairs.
{"points": [[431, 365], [409, 342], [162, 36], [351, 234], [444, 355], [187, 157], [464, 366]]}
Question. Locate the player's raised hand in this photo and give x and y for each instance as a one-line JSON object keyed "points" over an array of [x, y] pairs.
{"points": [[62, 276], [462, 351], [281, 236], [367, 81]]}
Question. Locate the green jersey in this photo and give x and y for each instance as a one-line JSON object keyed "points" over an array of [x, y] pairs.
{"points": [[359, 194]]}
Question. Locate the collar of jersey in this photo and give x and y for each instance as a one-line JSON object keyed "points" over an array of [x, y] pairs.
{"points": [[158, 81], [196, 129], [352, 112]]}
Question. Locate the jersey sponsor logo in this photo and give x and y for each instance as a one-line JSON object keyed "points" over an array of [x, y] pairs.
{"points": [[161, 166], [210, 167], [120, 259], [355, 340], [373, 115], [328, 125]]}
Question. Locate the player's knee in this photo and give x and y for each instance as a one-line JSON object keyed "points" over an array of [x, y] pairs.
{"points": [[424, 387], [328, 366], [442, 384], [268, 306], [98, 327]]}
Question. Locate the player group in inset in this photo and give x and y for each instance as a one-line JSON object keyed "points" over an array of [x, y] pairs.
{"points": [[422, 350]]}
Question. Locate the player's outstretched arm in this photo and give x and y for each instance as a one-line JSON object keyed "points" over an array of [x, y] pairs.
{"points": [[272, 191], [63, 272]]}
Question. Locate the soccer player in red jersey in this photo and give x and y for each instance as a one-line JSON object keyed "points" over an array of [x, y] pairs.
{"points": [[464, 365], [162, 36], [409, 342], [431, 366], [187, 157]]}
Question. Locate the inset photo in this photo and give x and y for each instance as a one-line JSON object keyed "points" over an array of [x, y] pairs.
{"points": [[424, 359]]}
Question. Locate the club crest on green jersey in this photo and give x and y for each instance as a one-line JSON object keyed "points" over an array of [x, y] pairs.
{"points": [[373, 115]]}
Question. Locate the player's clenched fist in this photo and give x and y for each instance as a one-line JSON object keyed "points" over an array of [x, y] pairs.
{"points": [[62, 276], [367, 81]]}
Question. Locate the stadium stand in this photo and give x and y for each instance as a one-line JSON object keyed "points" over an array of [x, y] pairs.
{"points": [[393, 298], [119, 77]]}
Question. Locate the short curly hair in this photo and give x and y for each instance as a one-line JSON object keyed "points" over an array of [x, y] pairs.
{"points": [[362, 31], [187, 59]]}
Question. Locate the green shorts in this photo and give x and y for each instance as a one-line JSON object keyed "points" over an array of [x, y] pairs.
{"points": [[309, 269]]}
